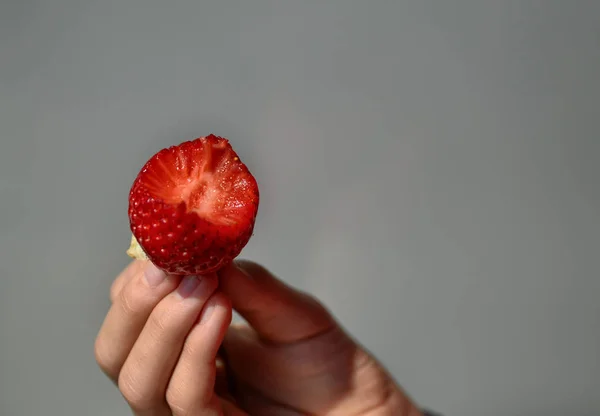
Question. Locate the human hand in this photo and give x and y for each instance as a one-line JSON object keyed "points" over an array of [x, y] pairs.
{"points": [[292, 358]]}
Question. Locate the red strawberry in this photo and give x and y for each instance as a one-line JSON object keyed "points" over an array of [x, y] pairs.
{"points": [[193, 206]]}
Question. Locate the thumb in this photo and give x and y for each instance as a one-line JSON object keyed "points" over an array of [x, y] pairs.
{"points": [[276, 311]]}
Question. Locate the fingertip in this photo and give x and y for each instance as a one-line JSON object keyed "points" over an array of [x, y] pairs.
{"points": [[254, 278], [222, 304], [253, 272], [217, 310], [250, 267], [231, 270]]}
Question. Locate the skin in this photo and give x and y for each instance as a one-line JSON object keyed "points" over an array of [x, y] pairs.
{"points": [[168, 345]]}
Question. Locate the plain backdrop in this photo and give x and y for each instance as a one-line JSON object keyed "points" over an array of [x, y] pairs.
{"points": [[429, 169]]}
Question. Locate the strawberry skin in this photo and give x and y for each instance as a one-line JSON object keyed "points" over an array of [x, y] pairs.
{"points": [[192, 207]]}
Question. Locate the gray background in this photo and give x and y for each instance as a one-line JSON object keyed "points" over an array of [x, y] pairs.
{"points": [[429, 169]]}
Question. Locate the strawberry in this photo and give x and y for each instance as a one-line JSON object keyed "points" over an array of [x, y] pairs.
{"points": [[192, 207]]}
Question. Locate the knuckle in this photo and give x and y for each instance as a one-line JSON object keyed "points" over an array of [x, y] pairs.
{"points": [[189, 348], [134, 395], [130, 302], [101, 355], [176, 402], [159, 320], [114, 291]]}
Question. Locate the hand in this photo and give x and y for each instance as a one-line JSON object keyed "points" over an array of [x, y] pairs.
{"points": [[172, 353]]}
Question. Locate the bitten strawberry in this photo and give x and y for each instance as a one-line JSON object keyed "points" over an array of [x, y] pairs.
{"points": [[192, 207]]}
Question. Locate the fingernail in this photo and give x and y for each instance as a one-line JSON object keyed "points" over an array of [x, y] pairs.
{"points": [[188, 285], [153, 275], [207, 311], [240, 267]]}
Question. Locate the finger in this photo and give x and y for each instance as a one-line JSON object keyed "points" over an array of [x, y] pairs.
{"points": [[128, 314], [192, 386], [131, 270], [276, 311], [144, 377]]}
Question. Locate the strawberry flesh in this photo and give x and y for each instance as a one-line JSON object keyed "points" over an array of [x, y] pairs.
{"points": [[192, 207]]}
